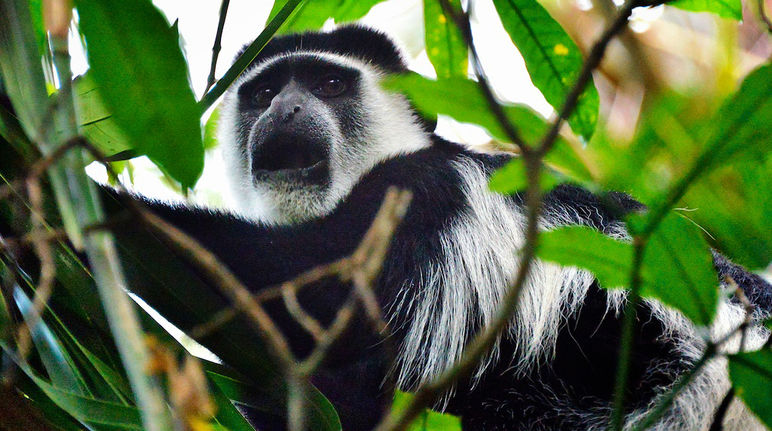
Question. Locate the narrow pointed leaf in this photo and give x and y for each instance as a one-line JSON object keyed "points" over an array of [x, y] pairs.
{"points": [[463, 100], [552, 58]]}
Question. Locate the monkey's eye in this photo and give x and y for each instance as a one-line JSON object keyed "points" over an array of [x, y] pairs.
{"points": [[263, 95], [330, 86]]}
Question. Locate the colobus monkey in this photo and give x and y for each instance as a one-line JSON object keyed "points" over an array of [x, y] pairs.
{"points": [[313, 142]]}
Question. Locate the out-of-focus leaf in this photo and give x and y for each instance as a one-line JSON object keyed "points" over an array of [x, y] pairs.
{"points": [[512, 178], [38, 27], [210, 129], [734, 204], [584, 247], [55, 359], [445, 45], [463, 100], [86, 409], [428, 420], [20, 67], [751, 376], [312, 14], [136, 62], [553, 60], [732, 9], [742, 126], [677, 267], [95, 121]]}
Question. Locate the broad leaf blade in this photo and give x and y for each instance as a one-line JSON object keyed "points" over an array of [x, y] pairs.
{"points": [[95, 121], [678, 269], [445, 45], [463, 100], [609, 259], [137, 64], [724, 8], [751, 376], [743, 126], [552, 58]]}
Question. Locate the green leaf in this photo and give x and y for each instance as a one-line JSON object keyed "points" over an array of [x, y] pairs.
{"points": [[95, 121], [445, 45], [312, 14], [724, 8], [677, 267], [428, 420], [742, 126], [135, 60], [512, 178], [553, 60], [463, 100], [751, 376], [89, 410], [210, 129], [609, 259]]}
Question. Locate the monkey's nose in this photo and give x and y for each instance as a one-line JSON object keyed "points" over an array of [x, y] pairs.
{"points": [[291, 113]]}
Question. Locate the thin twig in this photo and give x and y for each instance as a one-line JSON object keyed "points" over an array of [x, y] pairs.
{"points": [[249, 54], [718, 418], [310, 324], [461, 20], [591, 63], [217, 44], [481, 344]]}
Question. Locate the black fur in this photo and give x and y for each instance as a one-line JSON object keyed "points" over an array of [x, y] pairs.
{"points": [[578, 379], [364, 43]]}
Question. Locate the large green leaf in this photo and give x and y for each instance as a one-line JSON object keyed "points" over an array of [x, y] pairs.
{"points": [[95, 121], [751, 375], [724, 8], [312, 14], [135, 60], [679, 269], [677, 266], [445, 45], [742, 126], [463, 100], [553, 60]]}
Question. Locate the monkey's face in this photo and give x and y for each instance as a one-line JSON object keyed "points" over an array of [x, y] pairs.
{"points": [[305, 127]]}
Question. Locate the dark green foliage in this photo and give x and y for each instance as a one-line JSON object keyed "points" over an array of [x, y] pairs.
{"points": [[553, 60], [142, 77], [751, 375]]}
